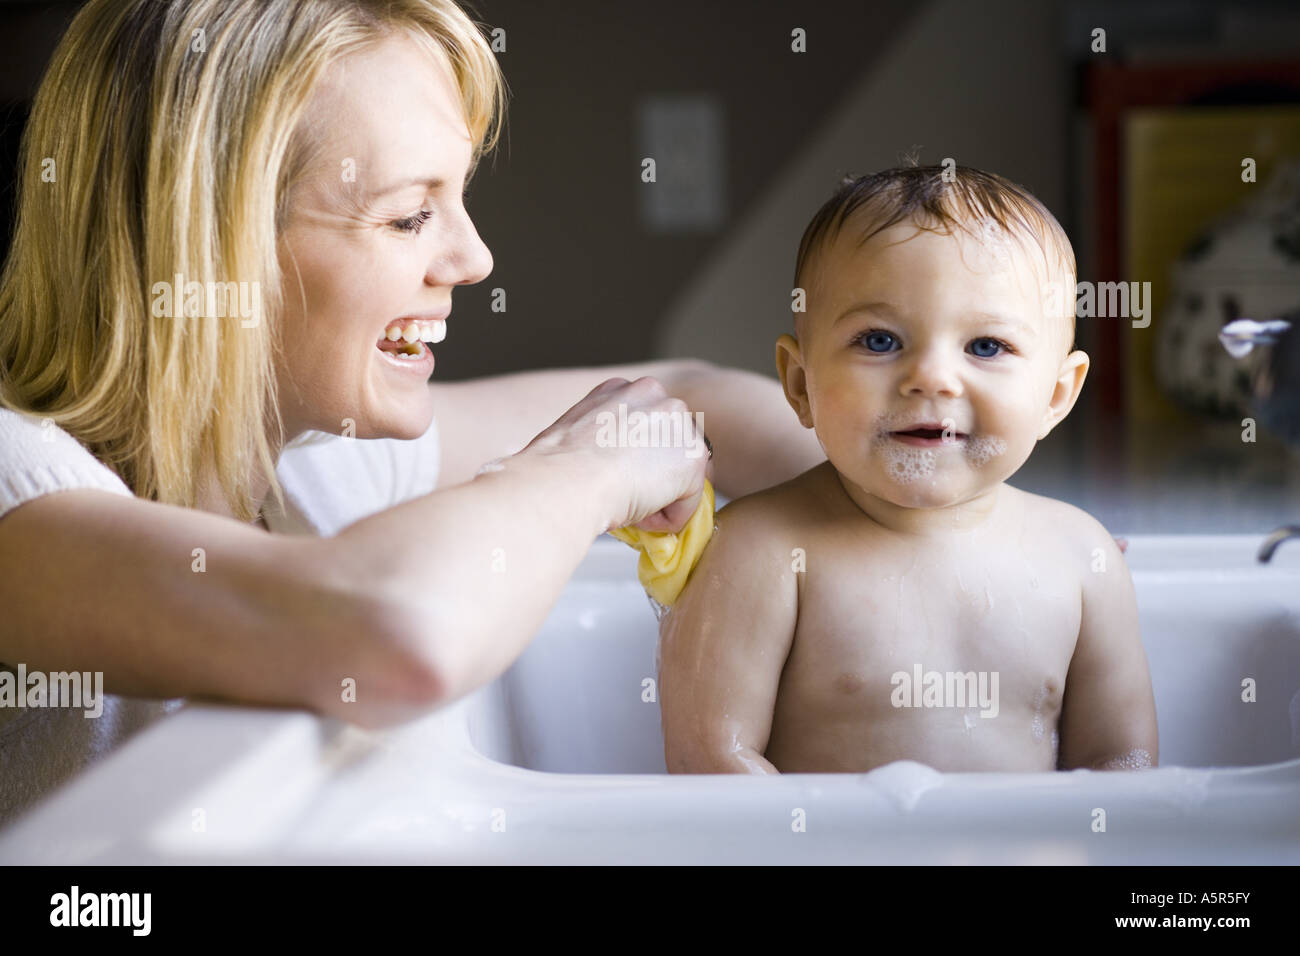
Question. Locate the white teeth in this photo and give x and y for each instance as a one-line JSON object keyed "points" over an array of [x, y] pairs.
{"points": [[434, 331], [431, 330]]}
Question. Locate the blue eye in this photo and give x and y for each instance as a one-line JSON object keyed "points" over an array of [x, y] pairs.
{"points": [[413, 223], [877, 341], [988, 348]]}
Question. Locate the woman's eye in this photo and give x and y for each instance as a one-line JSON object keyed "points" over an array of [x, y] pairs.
{"points": [[988, 348], [879, 341], [413, 223]]}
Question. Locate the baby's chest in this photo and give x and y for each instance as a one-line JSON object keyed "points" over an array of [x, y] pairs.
{"points": [[856, 625]]}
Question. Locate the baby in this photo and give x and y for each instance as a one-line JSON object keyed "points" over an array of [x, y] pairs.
{"points": [[901, 601]]}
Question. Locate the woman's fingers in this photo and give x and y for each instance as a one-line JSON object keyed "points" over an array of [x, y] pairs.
{"points": [[674, 517], [647, 437]]}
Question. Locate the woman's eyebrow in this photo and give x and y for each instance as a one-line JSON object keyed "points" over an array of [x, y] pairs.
{"points": [[431, 182]]}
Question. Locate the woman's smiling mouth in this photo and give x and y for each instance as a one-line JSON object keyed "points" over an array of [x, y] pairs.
{"points": [[402, 333], [405, 343]]}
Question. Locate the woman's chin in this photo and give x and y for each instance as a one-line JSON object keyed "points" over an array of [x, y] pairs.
{"points": [[407, 425], [389, 416]]}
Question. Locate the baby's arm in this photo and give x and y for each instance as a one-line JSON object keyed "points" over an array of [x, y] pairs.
{"points": [[724, 645], [1108, 717]]}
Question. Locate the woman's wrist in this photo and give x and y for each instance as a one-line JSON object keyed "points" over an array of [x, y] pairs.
{"points": [[591, 482]]}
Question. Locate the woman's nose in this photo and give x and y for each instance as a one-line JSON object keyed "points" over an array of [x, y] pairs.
{"points": [[465, 259], [932, 371]]}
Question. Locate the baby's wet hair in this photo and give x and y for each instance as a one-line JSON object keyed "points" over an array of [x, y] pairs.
{"points": [[943, 199]]}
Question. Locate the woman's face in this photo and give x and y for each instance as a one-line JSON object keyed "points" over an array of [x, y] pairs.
{"points": [[376, 238]]}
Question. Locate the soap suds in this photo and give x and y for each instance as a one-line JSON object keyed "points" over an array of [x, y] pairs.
{"points": [[994, 244], [907, 464], [1133, 760], [903, 782], [1037, 727], [981, 449]]}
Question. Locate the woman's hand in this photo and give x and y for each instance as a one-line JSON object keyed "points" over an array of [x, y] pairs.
{"points": [[654, 488]]}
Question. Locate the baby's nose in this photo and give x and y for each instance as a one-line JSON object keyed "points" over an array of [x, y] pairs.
{"points": [[932, 373]]}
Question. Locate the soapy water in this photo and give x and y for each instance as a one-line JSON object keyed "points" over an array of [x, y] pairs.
{"points": [[1036, 726], [907, 464], [981, 449], [660, 610], [1133, 760], [995, 247], [903, 782]]}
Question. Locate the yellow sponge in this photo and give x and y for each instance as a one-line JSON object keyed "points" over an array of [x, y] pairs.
{"points": [[668, 557]]}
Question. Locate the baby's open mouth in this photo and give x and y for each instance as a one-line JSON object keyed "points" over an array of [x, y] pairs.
{"points": [[931, 432]]}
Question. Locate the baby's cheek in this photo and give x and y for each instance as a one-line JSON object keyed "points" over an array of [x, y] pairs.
{"points": [[834, 418]]}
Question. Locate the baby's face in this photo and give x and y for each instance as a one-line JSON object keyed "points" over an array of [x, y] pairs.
{"points": [[929, 366]]}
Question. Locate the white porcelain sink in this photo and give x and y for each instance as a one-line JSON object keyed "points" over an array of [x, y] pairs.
{"points": [[561, 761]]}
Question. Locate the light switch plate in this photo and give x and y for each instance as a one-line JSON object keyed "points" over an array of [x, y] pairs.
{"points": [[683, 135]]}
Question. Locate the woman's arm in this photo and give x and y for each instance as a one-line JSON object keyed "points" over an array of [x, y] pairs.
{"points": [[757, 439], [417, 605], [173, 602], [482, 564]]}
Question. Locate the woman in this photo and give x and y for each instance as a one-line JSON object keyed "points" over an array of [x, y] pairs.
{"points": [[307, 158]]}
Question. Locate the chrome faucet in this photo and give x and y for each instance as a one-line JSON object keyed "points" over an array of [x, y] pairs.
{"points": [[1276, 389], [1273, 540]]}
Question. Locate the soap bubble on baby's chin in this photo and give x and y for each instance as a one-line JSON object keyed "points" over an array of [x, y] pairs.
{"points": [[906, 464]]}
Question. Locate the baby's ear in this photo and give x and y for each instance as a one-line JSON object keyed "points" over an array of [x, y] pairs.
{"points": [[789, 365], [1065, 392]]}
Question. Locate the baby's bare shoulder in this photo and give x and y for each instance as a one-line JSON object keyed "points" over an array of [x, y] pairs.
{"points": [[772, 517], [789, 506], [1073, 527]]}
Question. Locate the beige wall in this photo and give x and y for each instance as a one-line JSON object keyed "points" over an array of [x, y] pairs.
{"points": [[984, 83]]}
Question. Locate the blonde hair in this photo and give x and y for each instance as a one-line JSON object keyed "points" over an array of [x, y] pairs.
{"points": [[164, 140], [941, 199]]}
